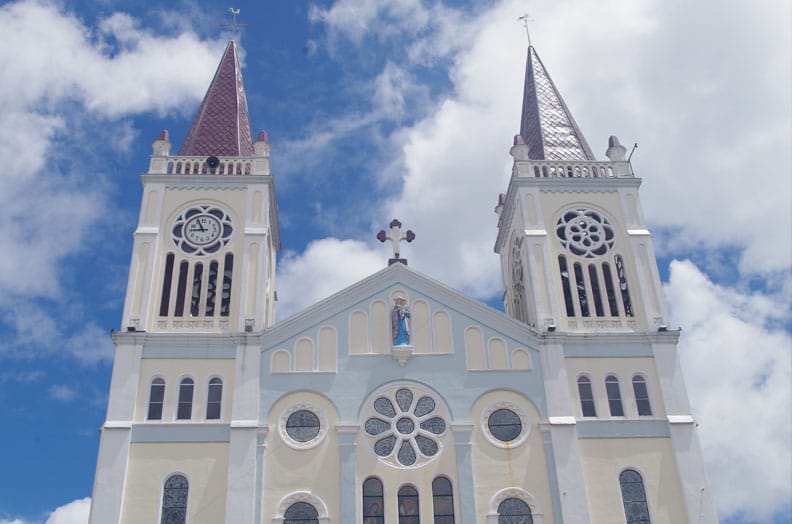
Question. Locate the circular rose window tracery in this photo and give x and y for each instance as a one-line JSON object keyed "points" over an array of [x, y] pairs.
{"points": [[405, 426], [585, 233]]}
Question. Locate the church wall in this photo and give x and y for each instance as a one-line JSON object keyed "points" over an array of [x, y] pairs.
{"points": [[173, 371], [603, 461], [521, 464], [624, 369], [204, 465]]}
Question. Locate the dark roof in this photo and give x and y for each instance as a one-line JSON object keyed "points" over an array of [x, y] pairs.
{"points": [[222, 125], [547, 126]]}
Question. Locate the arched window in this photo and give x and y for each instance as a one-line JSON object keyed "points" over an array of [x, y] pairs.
{"points": [[373, 503], [634, 496], [214, 399], [301, 513], [641, 396], [174, 500], [614, 396], [184, 411], [156, 399], [586, 397], [408, 505], [514, 511], [443, 501]]}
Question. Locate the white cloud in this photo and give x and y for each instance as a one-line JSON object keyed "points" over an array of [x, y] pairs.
{"points": [[736, 359], [62, 393], [75, 512]]}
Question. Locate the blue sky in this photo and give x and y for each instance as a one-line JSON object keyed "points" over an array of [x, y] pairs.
{"points": [[395, 108]]}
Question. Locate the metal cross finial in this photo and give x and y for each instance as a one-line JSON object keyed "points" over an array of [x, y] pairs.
{"points": [[396, 235], [234, 25], [525, 19]]}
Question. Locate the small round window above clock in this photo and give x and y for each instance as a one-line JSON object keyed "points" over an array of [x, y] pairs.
{"points": [[202, 230]]}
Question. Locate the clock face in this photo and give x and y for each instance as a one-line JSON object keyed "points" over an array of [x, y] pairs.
{"points": [[202, 230]]}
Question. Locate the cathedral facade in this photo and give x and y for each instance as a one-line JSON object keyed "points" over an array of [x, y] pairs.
{"points": [[398, 399]]}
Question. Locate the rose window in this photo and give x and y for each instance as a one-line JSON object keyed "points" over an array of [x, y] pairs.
{"points": [[585, 233], [405, 427]]}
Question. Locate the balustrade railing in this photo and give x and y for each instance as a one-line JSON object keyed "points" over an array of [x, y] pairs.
{"points": [[561, 169]]}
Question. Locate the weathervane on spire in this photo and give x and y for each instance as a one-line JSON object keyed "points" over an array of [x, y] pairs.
{"points": [[396, 235], [234, 25], [525, 19]]}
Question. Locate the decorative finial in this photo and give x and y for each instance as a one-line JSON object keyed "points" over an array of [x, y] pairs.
{"points": [[234, 25], [525, 19], [396, 235]]}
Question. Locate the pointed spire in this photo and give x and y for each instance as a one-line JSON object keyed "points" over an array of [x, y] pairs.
{"points": [[222, 125], [547, 126]]}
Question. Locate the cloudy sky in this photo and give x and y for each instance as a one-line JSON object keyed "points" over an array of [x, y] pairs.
{"points": [[395, 108]]}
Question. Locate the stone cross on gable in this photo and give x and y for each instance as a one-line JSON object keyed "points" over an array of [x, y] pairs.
{"points": [[396, 235]]}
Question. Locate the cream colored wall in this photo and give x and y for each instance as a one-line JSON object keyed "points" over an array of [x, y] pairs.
{"points": [[603, 461], [204, 464], [624, 369], [523, 466], [288, 470], [200, 370]]}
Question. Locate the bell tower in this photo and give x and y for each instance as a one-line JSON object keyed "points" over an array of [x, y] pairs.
{"points": [[204, 250], [575, 251]]}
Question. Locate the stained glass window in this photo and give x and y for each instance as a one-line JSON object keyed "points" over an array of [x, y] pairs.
{"points": [[443, 501], [636, 509], [504, 425], [302, 425], [514, 511], [641, 396], [174, 500], [214, 399], [373, 504], [184, 411], [156, 399], [614, 396], [586, 397], [408, 505], [301, 513]]}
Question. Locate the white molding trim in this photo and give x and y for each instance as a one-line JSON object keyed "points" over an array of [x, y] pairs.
{"points": [[516, 493], [301, 496]]}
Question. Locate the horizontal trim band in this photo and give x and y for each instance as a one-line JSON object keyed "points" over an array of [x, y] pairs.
{"points": [[623, 429], [180, 433]]}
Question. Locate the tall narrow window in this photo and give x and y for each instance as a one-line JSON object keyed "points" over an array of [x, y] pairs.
{"points": [[562, 266], [195, 298], [214, 399], [608, 277], [443, 501], [408, 505], [167, 280], [625, 290], [514, 511], [580, 284], [228, 270], [595, 290], [184, 411], [636, 509], [156, 399], [641, 396], [586, 397], [174, 500], [211, 289], [373, 502], [181, 290], [614, 396], [301, 513]]}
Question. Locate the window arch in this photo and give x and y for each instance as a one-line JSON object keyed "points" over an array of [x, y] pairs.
{"points": [[614, 396], [442, 501], [156, 399], [301, 513], [586, 394], [373, 502], [186, 387], [636, 510], [514, 511], [641, 396], [408, 505], [214, 399], [174, 500]]}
